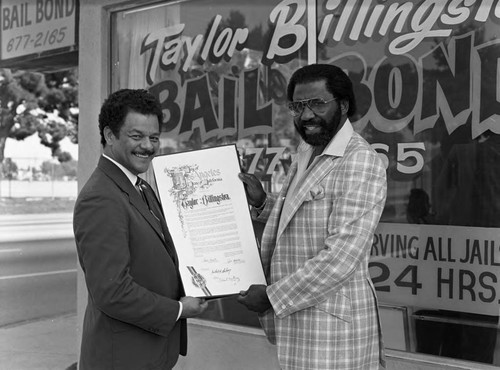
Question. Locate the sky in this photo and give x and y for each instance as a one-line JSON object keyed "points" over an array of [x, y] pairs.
{"points": [[30, 150]]}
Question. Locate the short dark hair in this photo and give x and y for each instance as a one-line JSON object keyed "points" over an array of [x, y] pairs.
{"points": [[337, 81], [116, 107]]}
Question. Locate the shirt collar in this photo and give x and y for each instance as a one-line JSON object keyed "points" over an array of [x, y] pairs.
{"points": [[336, 146], [130, 175]]}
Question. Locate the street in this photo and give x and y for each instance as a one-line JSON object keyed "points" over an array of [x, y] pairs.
{"points": [[37, 267]]}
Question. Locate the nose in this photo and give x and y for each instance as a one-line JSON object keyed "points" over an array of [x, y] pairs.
{"points": [[307, 113], [147, 144]]}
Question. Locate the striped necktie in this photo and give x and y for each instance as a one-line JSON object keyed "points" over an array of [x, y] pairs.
{"points": [[149, 198]]}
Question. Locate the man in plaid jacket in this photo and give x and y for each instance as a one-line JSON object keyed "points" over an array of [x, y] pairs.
{"points": [[320, 306]]}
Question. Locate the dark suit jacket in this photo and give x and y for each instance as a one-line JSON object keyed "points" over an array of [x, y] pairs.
{"points": [[133, 283]]}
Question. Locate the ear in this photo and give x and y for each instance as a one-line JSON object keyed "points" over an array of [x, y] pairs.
{"points": [[108, 135], [344, 107]]}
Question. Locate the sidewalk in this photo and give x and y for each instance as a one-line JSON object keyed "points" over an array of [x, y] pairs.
{"points": [[48, 344]]}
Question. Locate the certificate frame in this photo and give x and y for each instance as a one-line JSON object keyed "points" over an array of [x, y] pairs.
{"points": [[208, 216]]}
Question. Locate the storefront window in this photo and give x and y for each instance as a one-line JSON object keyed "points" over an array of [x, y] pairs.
{"points": [[426, 81]]}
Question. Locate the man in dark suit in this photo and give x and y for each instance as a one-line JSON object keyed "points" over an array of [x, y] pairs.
{"points": [[136, 311]]}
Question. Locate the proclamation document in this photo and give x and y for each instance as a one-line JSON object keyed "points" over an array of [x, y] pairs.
{"points": [[207, 213]]}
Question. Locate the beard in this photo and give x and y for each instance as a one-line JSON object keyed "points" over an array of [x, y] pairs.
{"points": [[326, 134]]}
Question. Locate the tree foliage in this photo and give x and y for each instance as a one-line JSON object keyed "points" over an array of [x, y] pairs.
{"points": [[59, 170], [8, 169], [37, 103]]}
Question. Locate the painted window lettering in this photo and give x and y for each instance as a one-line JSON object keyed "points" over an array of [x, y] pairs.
{"points": [[357, 21]]}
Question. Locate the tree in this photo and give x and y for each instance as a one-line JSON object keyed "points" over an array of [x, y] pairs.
{"points": [[8, 169], [59, 170], [33, 102]]}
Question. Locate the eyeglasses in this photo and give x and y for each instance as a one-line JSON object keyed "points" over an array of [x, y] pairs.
{"points": [[316, 105]]}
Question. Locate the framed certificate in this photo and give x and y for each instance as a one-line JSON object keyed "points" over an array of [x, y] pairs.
{"points": [[208, 216]]}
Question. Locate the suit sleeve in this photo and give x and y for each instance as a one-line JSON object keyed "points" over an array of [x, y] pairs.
{"points": [[102, 234], [358, 201]]}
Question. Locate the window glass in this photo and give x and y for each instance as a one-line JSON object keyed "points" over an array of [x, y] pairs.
{"points": [[427, 98], [213, 88], [425, 78]]}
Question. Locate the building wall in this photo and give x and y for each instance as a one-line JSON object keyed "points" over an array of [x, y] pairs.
{"points": [[93, 56]]}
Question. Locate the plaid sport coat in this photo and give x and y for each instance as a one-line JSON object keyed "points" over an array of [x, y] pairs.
{"points": [[325, 313]]}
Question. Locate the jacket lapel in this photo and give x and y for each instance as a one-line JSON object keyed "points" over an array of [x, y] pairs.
{"points": [[136, 201], [311, 177]]}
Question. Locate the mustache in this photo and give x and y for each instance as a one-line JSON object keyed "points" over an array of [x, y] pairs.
{"points": [[316, 121], [145, 152]]}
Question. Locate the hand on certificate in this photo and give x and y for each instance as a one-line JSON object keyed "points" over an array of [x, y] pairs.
{"points": [[255, 192], [255, 298], [192, 306]]}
